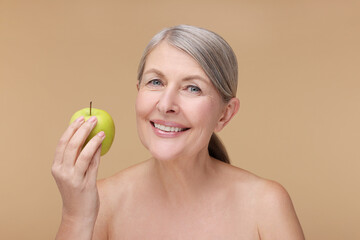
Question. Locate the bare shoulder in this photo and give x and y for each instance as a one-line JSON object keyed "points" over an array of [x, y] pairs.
{"points": [[271, 205], [112, 192], [113, 187], [277, 216], [265, 190], [273, 194], [251, 188], [241, 179]]}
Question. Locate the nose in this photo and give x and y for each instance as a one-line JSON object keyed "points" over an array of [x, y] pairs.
{"points": [[168, 102]]}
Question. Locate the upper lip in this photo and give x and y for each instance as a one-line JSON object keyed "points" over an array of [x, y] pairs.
{"points": [[168, 123]]}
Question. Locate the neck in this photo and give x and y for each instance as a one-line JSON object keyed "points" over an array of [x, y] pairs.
{"points": [[182, 179]]}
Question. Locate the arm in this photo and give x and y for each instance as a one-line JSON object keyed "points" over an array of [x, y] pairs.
{"points": [[75, 173], [277, 217]]}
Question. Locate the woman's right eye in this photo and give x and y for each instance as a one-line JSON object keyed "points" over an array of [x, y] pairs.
{"points": [[155, 83]]}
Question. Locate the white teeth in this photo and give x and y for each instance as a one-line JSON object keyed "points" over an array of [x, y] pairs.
{"points": [[167, 128]]}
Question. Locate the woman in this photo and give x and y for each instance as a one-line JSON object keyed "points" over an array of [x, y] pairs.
{"points": [[187, 83]]}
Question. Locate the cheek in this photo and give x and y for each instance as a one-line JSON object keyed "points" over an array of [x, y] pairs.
{"points": [[138, 106], [142, 110], [143, 105], [204, 113]]}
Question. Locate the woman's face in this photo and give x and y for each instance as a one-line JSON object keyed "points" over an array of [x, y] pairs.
{"points": [[177, 107]]}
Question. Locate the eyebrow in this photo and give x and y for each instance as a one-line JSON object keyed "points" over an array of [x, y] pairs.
{"points": [[187, 78], [154, 70]]}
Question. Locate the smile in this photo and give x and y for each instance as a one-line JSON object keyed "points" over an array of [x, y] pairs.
{"points": [[168, 128]]}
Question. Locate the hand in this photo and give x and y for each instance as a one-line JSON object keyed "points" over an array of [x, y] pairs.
{"points": [[75, 171]]}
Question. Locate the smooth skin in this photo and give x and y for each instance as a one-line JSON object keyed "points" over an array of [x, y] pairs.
{"points": [[181, 192], [75, 173]]}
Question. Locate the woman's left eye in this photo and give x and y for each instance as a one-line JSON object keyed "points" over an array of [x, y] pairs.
{"points": [[193, 89]]}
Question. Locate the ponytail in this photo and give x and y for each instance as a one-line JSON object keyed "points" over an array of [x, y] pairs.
{"points": [[217, 149]]}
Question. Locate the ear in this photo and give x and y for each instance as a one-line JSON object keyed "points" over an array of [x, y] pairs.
{"points": [[231, 108], [137, 85]]}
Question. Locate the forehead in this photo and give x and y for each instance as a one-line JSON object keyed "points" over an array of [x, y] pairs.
{"points": [[166, 57]]}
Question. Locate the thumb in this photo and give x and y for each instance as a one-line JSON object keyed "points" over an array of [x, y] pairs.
{"points": [[94, 166]]}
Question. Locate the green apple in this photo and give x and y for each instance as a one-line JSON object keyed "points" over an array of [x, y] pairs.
{"points": [[104, 123]]}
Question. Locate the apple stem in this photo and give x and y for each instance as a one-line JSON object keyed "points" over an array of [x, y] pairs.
{"points": [[90, 107]]}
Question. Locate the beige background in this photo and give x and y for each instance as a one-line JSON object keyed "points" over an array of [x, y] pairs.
{"points": [[299, 88]]}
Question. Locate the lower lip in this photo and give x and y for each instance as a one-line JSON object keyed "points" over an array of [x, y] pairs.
{"points": [[164, 134]]}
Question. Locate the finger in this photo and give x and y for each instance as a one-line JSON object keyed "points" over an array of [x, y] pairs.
{"points": [[77, 141], [91, 173], [65, 138], [87, 154]]}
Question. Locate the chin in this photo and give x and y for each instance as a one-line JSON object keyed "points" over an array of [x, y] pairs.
{"points": [[165, 154]]}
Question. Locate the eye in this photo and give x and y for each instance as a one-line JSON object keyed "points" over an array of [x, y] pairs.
{"points": [[155, 83], [193, 89]]}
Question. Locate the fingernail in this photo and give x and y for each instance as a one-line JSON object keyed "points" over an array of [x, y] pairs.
{"points": [[80, 119], [92, 119], [101, 134]]}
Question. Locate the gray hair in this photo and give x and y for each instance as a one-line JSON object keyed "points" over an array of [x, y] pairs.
{"points": [[210, 50], [215, 57]]}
